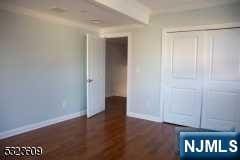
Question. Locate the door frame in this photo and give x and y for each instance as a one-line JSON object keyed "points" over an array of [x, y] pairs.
{"points": [[129, 55], [165, 31]]}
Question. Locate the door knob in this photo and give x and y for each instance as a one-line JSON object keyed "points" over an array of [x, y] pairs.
{"points": [[89, 80]]}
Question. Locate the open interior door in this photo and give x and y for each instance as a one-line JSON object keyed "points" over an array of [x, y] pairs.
{"points": [[95, 75]]}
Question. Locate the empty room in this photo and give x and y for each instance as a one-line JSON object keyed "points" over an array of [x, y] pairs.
{"points": [[119, 79]]}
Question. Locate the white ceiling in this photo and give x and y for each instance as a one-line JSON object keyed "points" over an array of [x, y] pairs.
{"points": [[162, 6], [76, 10], [83, 11]]}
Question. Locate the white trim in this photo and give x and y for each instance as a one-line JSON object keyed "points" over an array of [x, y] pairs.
{"points": [[31, 127], [202, 27], [87, 73], [165, 31], [144, 116], [115, 35], [129, 61], [47, 17], [162, 78], [119, 28]]}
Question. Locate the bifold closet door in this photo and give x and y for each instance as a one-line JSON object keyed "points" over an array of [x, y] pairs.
{"points": [[221, 102], [182, 82]]}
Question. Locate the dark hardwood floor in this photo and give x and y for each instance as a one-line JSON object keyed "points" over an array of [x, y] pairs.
{"points": [[107, 136]]}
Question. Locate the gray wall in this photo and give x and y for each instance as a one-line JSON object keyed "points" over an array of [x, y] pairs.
{"points": [[145, 62], [116, 69], [41, 70]]}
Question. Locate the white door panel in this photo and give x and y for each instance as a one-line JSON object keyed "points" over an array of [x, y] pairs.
{"points": [[221, 110], [222, 80], [183, 105], [223, 55], [184, 51], [95, 75], [182, 78]]}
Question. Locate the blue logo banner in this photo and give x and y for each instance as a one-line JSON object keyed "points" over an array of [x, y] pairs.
{"points": [[209, 145]]}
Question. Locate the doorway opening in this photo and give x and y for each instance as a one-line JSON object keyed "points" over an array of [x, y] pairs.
{"points": [[116, 65], [105, 79]]}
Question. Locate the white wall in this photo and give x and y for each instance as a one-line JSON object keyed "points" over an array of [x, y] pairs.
{"points": [[42, 72], [144, 93], [116, 69]]}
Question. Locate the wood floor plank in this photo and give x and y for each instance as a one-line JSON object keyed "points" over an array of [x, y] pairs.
{"points": [[109, 135]]}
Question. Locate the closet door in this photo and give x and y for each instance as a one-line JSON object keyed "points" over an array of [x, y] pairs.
{"points": [[182, 82], [221, 102]]}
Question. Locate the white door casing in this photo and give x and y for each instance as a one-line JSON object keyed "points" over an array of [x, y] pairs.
{"points": [[221, 102], [95, 75], [183, 78]]}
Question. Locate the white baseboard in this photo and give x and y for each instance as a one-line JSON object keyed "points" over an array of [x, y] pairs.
{"points": [[27, 128], [144, 116]]}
